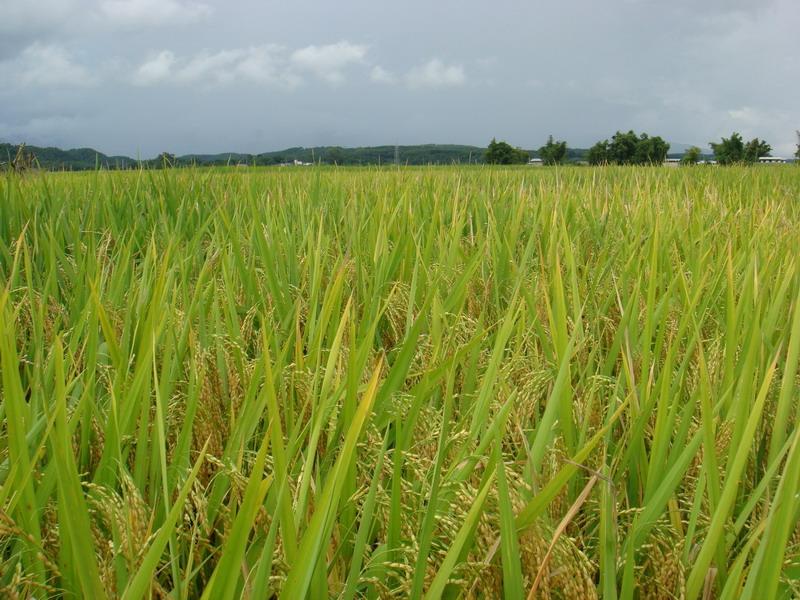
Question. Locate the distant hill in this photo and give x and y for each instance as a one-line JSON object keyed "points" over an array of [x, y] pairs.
{"points": [[422, 154], [367, 155], [79, 159]]}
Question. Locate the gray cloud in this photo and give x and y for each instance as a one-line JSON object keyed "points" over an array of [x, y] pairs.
{"points": [[185, 75]]}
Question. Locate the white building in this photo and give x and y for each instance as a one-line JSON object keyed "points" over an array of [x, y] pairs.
{"points": [[770, 160], [535, 162]]}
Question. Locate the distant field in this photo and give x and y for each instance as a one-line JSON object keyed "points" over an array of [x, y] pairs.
{"points": [[439, 382]]}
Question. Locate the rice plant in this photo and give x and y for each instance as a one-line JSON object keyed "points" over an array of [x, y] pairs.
{"points": [[393, 383]]}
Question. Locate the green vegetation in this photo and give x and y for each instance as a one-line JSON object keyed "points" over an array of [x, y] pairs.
{"points": [[502, 153], [729, 150], [755, 149], [87, 159], [553, 152], [625, 148], [400, 382], [165, 160], [692, 156], [598, 154], [629, 149], [733, 150], [79, 159], [423, 154]]}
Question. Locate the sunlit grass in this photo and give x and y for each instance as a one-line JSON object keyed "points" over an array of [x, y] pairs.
{"points": [[444, 382]]}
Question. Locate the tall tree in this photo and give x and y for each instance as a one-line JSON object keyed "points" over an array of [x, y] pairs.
{"points": [[729, 150], [650, 150], [627, 148], [502, 153], [691, 156], [553, 152], [756, 148], [622, 149], [598, 154]]}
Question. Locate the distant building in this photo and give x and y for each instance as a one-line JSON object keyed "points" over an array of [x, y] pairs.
{"points": [[771, 160], [672, 162], [535, 162]]}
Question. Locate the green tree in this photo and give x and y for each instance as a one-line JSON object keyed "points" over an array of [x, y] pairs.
{"points": [[729, 150], [166, 160], [553, 152], [335, 156], [501, 153], [627, 148], [622, 149], [598, 154], [650, 150], [691, 156], [756, 148]]}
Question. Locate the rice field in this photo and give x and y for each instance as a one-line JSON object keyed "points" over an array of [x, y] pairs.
{"points": [[415, 383]]}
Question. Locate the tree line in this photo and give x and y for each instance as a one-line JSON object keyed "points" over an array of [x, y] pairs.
{"points": [[630, 148], [622, 148]]}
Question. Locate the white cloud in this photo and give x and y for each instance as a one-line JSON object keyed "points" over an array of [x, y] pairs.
{"points": [[381, 75], [155, 70], [436, 74], [44, 65], [134, 13], [327, 62], [258, 64], [275, 65], [268, 64]]}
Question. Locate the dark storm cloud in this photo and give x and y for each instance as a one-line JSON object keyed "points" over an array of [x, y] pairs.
{"points": [[130, 76]]}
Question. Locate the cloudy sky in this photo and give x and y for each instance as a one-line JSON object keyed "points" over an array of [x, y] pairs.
{"points": [[141, 76]]}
